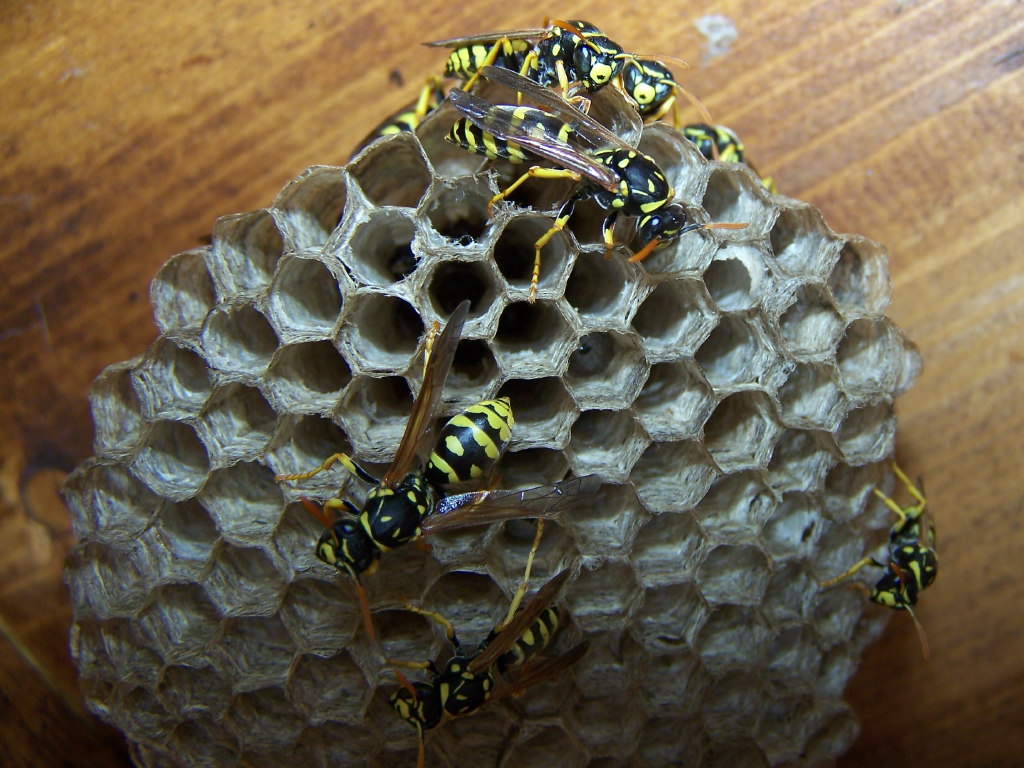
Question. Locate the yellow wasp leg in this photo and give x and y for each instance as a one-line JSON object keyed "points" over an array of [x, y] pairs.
{"points": [[492, 56], [534, 172], [847, 574], [329, 462], [517, 598], [447, 626], [912, 512]]}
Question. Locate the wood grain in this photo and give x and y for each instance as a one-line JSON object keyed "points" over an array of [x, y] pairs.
{"points": [[126, 129]]}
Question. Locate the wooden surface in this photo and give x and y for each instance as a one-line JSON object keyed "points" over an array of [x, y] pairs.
{"points": [[126, 130]]}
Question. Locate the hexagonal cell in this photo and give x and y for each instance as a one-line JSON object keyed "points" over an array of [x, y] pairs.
{"points": [[670, 618], [311, 441], [848, 492], [246, 248], [295, 539], [811, 398], [201, 742], [732, 638], [188, 535], [182, 293], [833, 738], [802, 242], [245, 502], [836, 670], [309, 208], [407, 636], [736, 352], [392, 173], [190, 691], [860, 280], [329, 689], [668, 549], [810, 326], [305, 299], [607, 728], [735, 195], [245, 582], [839, 547], [735, 508], [782, 731], [380, 248], [607, 443], [671, 477], [611, 663], [239, 338], [472, 602], [182, 621], [793, 530], [316, 631], [801, 460], [533, 339], [515, 253], [481, 739], [453, 282], [672, 743], [382, 333], [869, 357], [237, 425], [606, 370], [531, 467], [457, 210], [258, 650], [674, 319], [734, 574], [172, 460], [600, 288], [742, 431], [373, 414], [675, 683], [109, 501], [544, 744], [340, 744], [116, 412], [94, 578], [793, 660], [543, 412], [508, 551], [678, 159], [171, 382], [606, 597], [790, 594], [868, 434], [836, 614], [675, 401], [732, 707], [307, 378], [736, 277], [607, 527], [128, 646]]}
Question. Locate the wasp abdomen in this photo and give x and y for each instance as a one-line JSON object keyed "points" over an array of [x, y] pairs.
{"points": [[470, 443]]}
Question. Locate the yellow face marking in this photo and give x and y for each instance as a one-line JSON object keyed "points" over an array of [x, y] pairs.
{"points": [[601, 73]]}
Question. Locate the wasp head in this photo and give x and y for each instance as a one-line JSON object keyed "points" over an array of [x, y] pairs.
{"points": [[347, 547]]}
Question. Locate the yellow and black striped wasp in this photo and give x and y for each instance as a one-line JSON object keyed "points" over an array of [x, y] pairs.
{"points": [[617, 176], [504, 663], [560, 53], [716, 142], [407, 503], [912, 563]]}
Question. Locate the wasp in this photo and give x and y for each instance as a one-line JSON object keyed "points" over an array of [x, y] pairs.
{"points": [[716, 142], [562, 53], [502, 666], [407, 503], [617, 176], [911, 565]]}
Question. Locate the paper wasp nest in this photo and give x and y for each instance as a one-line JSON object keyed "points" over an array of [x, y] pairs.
{"points": [[735, 391]]}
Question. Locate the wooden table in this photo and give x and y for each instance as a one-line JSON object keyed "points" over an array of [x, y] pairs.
{"points": [[127, 130]]}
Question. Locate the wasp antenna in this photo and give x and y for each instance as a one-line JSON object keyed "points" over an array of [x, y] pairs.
{"points": [[316, 511], [646, 251], [570, 28], [405, 683], [364, 607], [726, 225], [659, 58]]}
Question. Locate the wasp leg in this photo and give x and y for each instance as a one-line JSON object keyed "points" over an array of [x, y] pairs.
{"points": [[534, 172], [329, 462], [502, 44], [896, 508], [424, 102], [520, 593], [911, 512], [847, 574], [529, 62], [564, 214], [447, 626], [608, 233]]}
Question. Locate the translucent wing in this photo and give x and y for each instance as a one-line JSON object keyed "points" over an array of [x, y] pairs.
{"points": [[541, 671], [423, 407], [488, 37], [482, 507], [587, 128], [506, 122], [520, 623]]}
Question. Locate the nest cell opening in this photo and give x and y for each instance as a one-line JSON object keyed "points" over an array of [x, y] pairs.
{"points": [[606, 370], [531, 331], [474, 369], [860, 279], [246, 249], [668, 549], [172, 461], [542, 409], [381, 251], [733, 354], [308, 377], [741, 432], [182, 293], [116, 412], [458, 210], [393, 173], [672, 476], [305, 296], [385, 331], [675, 401], [239, 339], [312, 206], [456, 281], [736, 575], [598, 286], [674, 318], [514, 252], [189, 530], [238, 423], [811, 325], [801, 242], [733, 195]]}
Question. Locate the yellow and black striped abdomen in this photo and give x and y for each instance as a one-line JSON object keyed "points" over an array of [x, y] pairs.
{"points": [[532, 642], [470, 443]]}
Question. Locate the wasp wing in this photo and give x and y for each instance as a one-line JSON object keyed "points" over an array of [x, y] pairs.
{"points": [[488, 37], [520, 623], [586, 128], [437, 367], [463, 510], [541, 671], [507, 122]]}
